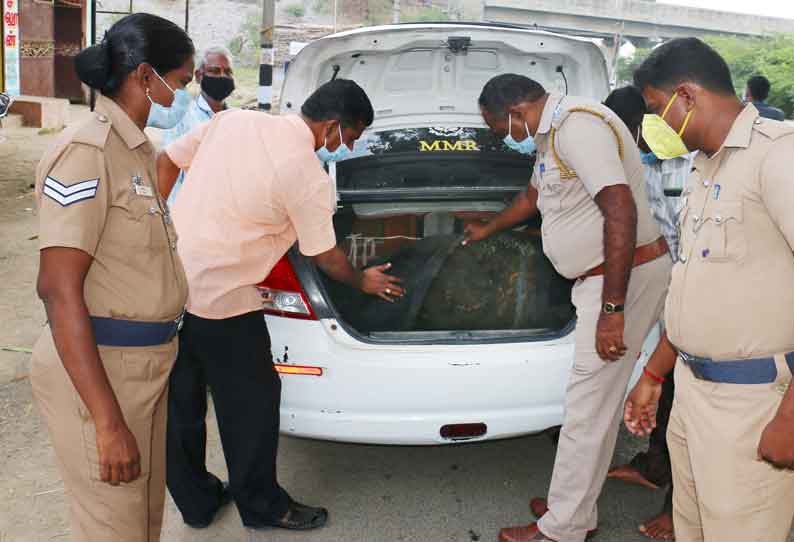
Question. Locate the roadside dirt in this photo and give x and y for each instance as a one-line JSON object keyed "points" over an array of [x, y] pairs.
{"points": [[29, 483], [23, 314]]}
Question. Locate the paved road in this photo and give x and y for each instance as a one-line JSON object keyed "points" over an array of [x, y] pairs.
{"points": [[428, 494], [375, 493]]}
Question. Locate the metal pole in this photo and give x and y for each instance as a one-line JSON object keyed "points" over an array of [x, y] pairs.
{"points": [[187, 16], [336, 6], [92, 95], [267, 58], [395, 12], [616, 54]]}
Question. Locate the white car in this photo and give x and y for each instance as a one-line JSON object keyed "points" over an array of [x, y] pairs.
{"points": [[481, 348]]}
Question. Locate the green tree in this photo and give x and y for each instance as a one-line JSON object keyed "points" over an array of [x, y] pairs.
{"points": [[772, 57], [245, 46], [296, 10], [627, 65]]}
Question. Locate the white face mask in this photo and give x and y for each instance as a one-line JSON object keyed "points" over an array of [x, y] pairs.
{"points": [[164, 117]]}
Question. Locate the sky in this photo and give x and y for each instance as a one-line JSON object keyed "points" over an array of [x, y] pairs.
{"points": [[771, 8]]}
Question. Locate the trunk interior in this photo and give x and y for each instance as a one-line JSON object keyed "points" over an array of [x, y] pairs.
{"points": [[502, 284], [410, 209]]}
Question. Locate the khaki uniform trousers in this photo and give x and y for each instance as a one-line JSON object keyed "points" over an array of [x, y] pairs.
{"points": [[722, 493], [139, 376], [594, 400]]}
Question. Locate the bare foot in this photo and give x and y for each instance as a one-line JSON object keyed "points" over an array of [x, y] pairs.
{"points": [[629, 474], [659, 528]]}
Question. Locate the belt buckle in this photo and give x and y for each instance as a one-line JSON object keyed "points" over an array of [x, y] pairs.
{"points": [[178, 322]]}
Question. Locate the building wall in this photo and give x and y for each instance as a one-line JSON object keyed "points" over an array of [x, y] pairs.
{"points": [[37, 52]]}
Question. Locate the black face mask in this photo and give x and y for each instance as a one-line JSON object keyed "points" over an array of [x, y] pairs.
{"points": [[217, 88]]}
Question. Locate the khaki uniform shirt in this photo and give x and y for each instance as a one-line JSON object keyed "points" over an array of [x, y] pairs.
{"points": [[573, 226], [253, 186], [732, 292], [97, 192]]}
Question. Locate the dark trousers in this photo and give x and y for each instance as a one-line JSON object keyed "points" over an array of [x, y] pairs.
{"points": [[232, 356], [655, 463]]}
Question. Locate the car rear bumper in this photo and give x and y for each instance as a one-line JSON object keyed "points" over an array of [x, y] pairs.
{"points": [[392, 394], [404, 394]]}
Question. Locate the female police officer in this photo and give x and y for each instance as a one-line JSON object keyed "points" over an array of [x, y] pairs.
{"points": [[112, 284]]}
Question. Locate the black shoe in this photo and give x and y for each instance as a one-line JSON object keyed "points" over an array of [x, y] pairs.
{"points": [[299, 517], [226, 498]]}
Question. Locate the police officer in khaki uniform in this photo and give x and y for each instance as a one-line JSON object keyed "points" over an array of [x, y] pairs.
{"points": [[113, 286], [589, 187], [730, 310]]}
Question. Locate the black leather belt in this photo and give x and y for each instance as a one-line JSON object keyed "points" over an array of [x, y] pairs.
{"points": [[744, 371], [132, 333]]}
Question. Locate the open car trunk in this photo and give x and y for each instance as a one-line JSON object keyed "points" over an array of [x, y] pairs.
{"points": [[427, 166], [411, 209]]}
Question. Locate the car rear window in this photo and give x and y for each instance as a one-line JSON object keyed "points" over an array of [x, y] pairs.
{"points": [[433, 158]]}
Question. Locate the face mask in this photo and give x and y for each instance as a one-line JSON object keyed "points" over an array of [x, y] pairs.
{"points": [[164, 117], [525, 146], [339, 154], [648, 158], [217, 88], [661, 138]]}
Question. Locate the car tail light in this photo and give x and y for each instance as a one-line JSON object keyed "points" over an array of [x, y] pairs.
{"points": [[283, 295], [298, 370], [463, 431]]}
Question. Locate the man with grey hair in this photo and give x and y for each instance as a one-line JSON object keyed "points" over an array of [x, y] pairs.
{"points": [[215, 75]]}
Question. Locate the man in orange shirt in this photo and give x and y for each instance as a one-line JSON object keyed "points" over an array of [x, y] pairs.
{"points": [[253, 186]]}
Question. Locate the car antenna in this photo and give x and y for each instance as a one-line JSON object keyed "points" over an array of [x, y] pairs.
{"points": [[336, 69], [564, 78]]}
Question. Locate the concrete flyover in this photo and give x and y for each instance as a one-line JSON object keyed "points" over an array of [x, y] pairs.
{"points": [[636, 20]]}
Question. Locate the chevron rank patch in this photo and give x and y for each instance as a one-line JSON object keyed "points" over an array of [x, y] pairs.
{"points": [[67, 195]]}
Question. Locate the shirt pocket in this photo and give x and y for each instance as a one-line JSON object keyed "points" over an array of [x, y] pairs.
{"points": [[137, 221], [726, 240], [551, 189]]}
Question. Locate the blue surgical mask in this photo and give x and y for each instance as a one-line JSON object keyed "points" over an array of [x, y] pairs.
{"points": [[648, 158], [164, 117], [339, 154], [525, 146]]}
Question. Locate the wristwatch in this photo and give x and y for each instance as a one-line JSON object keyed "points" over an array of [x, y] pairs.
{"points": [[611, 308]]}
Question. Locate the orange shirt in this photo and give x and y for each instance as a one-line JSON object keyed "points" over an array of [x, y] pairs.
{"points": [[253, 186]]}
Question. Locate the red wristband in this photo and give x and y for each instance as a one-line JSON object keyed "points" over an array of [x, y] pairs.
{"points": [[653, 375]]}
